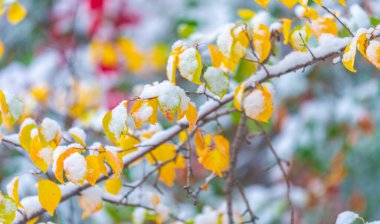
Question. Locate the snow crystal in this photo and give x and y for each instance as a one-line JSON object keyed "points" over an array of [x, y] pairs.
{"points": [[224, 40], [139, 215], [78, 132], [216, 80], [50, 129], [119, 118], [254, 103], [188, 62], [75, 166], [14, 105], [359, 16], [168, 97], [143, 113], [346, 217]]}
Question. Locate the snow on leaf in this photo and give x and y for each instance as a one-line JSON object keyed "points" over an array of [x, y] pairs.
{"points": [[373, 53], [113, 185], [323, 25], [59, 156], [190, 65], [346, 217], [25, 134], [12, 190], [49, 195], [299, 37], [238, 96], [169, 99], [50, 131], [258, 105], [78, 135], [8, 208], [115, 122], [143, 111], [213, 152], [75, 167], [261, 41], [90, 201], [217, 81], [16, 13]]}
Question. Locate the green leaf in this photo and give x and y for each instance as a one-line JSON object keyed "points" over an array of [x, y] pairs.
{"points": [[375, 21], [244, 69], [217, 81]]}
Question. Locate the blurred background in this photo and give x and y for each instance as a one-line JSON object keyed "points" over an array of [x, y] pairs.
{"points": [[326, 121]]}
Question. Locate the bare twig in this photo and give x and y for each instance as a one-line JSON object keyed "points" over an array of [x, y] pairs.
{"points": [[336, 17]]}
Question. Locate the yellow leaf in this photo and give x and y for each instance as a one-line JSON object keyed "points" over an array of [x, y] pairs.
{"points": [[215, 55], [114, 162], [164, 153], [362, 44], [289, 3], [191, 115], [113, 185], [238, 96], [258, 104], [261, 41], [319, 2], [342, 2], [78, 135], [16, 13], [171, 67], [90, 201], [134, 59], [246, 14], [2, 48], [299, 38], [12, 190], [262, 3], [182, 136], [239, 45], [144, 110], [49, 195], [349, 54], [286, 25], [127, 143], [323, 25], [373, 53], [93, 169], [214, 154], [40, 156], [115, 122], [58, 172], [190, 65], [25, 134]]}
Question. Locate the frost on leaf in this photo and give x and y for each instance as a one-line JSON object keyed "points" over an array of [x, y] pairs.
{"points": [[115, 122], [213, 152], [90, 201], [190, 65], [217, 81], [11, 109], [258, 105], [78, 135], [349, 53]]}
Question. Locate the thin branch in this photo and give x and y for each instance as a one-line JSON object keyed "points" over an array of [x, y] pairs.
{"points": [[336, 17], [231, 178], [284, 174]]}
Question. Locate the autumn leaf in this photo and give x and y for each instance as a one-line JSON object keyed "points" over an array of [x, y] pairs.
{"points": [[258, 105], [190, 65], [289, 3], [246, 14], [263, 3], [90, 201], [373, 53], [115, 122], [217, 81], [78, 135], [113, 161], [213, 152], [299, 37], [59, 161], [261, 41], [113, 185], [16, 13], [93, 169], [238, 96], [49, 195], [8, 208], [12, 190], [286, 25], [143, 111], [164, 153], [323, 25]]}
